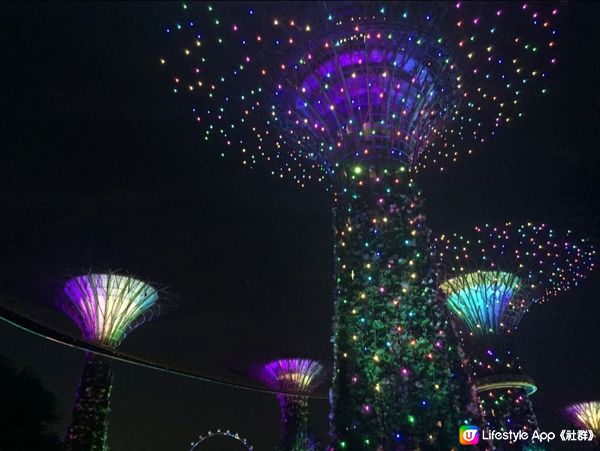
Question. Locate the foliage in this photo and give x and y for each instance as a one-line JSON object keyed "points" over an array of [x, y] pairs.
{"points": [[27, 411]]}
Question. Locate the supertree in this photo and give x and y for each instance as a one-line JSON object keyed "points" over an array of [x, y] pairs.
{"points": [[362, 95], [297, 378], [586, 415], [490, 279], [105, 307]]}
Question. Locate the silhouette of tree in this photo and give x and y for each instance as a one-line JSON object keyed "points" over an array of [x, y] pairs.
{"points": [[27, 409]]}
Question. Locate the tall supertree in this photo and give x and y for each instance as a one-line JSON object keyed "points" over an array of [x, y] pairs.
{"points": [[299, 376], [361, 95], [105, 307], [490, 279], [586, 415]]}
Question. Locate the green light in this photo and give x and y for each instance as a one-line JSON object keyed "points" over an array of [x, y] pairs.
{"points": [[482, 299], [357, 170], [107, 306], [411, 419]]}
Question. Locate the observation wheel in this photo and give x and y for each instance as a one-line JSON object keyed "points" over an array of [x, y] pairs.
{"points": [[219, 433]]}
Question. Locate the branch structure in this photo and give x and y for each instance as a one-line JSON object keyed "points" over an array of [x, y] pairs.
{"points": [[362, 95], [586, 415], [293, 375], [490, 279], [105, 307]]}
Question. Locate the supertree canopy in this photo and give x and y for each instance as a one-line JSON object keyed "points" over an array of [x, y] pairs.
{"points": [[320, 85], [297, 378], [362, 94], [586, 415], [105, 307], [490, 279]]}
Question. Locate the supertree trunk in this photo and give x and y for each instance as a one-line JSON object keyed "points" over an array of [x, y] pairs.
{"points": [[89, 426], [505, 404], [294, 422], [395, 382], [509, 409]]}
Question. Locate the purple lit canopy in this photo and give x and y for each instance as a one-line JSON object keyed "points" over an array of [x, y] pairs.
{"points": [[317, 85], [292, 375]]}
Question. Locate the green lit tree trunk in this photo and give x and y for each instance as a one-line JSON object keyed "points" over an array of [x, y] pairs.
{"points": [[89, 426], [395, 382], [294, 424]]}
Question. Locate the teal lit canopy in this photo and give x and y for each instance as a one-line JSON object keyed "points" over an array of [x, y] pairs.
{"points": [[487, 302], [491, 277]]}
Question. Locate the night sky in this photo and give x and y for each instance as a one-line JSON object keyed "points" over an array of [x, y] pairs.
{"points": [[103, 167]]}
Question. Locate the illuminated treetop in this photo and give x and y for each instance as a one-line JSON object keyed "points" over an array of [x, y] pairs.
{"points": [[493, 276], [316, 85], [586, 415], [292, 375], [108, 306]]}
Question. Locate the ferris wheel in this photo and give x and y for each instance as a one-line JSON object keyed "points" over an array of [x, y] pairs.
{"points": [[219, 433]]}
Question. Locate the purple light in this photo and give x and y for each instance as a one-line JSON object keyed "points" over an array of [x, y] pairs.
{"points": [[108, 306], [418, 85], [296, 375]]}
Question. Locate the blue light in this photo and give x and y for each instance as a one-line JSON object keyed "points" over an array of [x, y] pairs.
{"points": [[484, 301]]}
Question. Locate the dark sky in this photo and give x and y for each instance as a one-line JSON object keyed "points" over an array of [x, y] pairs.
{"points": [[102, 166]]}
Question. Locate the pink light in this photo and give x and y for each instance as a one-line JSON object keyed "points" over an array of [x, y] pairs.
{"points": [[292, 374]]}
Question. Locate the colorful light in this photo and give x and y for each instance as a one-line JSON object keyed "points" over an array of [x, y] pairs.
{"points": [[586, 415], [484, 300], [362, 98], [107, 306], [294, 375], [493, 276], [399, 84], [300, 377], [490, 279]]}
